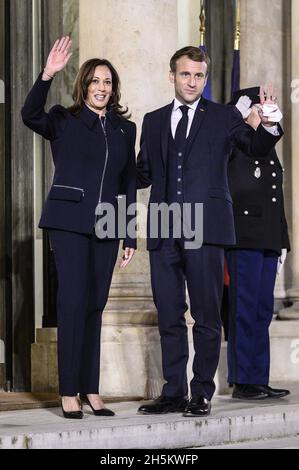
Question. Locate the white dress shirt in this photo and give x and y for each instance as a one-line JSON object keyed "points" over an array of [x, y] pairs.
{"points": [[177, 114]]}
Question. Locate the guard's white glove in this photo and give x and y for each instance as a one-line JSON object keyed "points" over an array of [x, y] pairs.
{"points": [[243, 105], [272, 112], [281, 260]]}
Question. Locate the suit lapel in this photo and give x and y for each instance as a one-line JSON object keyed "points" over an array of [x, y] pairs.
{"points": [[166, 127], [200, 114]]}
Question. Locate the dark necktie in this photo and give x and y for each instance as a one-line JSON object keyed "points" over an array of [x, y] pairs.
{"points": [[181, 130]]}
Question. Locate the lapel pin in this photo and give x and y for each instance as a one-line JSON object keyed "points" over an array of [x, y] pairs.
{"points": [[122, 131]]}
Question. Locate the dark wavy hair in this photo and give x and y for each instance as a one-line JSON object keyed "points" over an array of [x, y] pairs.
{"points": [[83, 80]]}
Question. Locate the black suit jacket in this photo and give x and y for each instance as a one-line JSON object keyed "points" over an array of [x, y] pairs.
{"points": [[215, 130], [79, 150]]}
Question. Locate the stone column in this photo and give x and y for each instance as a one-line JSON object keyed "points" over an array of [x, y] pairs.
{"points": [[2, 195], [292, 312]]}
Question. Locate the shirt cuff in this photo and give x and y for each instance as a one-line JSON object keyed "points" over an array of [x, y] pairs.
{"points": [[272, 130]]}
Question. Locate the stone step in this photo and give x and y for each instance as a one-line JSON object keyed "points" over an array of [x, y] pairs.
{"points": [[127, 348], [289, 442], [231, 421]]}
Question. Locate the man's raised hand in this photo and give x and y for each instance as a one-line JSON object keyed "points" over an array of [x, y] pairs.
{"points": [[269, 111]]}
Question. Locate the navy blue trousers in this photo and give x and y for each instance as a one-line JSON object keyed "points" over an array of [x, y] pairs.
{"points": [[172, 267], [251, 301], [84, 269]]}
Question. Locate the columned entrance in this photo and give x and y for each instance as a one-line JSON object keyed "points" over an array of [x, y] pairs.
{"points": [[27, 29]]}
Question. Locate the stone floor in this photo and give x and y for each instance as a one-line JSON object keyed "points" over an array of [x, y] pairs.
{"points": [[231, 422]]}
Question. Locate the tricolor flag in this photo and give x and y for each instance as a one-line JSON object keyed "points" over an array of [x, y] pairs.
{"points": [[202, 31], [207, 93]]}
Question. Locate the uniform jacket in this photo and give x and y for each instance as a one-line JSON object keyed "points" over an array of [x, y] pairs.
{"points": [[84, 172], [215, 129], [256, 188]]}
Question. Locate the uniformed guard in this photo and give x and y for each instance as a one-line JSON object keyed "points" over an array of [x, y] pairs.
{"points": [[262, 242]]}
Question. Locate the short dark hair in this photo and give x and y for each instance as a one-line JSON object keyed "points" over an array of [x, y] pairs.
{"points": [[193, 53]]}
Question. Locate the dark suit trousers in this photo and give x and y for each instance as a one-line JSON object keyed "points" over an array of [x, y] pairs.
{"points": [[172, 266], [251, 302], [84, 268]]}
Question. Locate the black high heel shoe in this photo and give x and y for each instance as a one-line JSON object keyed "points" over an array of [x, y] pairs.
{"points": [[101, 412], [71, 414]]}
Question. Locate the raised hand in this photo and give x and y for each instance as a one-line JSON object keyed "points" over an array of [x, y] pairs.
{"points": [[268, 106], [268, 96], [58, 57]]}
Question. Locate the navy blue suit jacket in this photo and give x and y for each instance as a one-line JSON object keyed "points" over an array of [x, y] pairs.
{"points": [[78, 149], [215, 130]]}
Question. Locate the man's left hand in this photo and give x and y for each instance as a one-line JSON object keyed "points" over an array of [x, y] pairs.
{"points": [[269, 111]]}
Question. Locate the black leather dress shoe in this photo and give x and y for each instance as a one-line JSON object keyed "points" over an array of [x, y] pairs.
{"points": [[198, 406], [274, 392], [164, 405], [101, 412], [248, 392]]}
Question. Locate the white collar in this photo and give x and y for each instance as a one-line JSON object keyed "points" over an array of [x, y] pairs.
{"points": [[177, 104]]}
